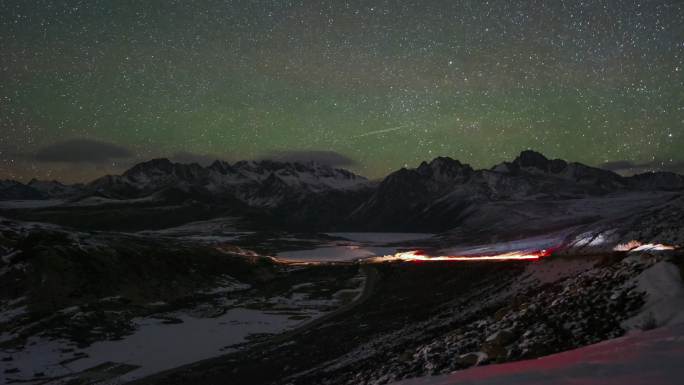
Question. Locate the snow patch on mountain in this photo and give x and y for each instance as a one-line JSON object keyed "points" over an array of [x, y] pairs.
{"points": [[664, 290]]}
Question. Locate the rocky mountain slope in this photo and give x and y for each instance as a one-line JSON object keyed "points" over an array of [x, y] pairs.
{"points": [[444, 193], [651, 357], [258, 184], [11, 190], [434, 318], [37, 189]]}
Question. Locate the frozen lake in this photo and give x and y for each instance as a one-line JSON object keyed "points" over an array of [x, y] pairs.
{"points": [[336, 253], [358, 246]]}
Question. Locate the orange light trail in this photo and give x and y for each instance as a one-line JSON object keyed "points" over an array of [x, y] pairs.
{"points": [[418, 255]]}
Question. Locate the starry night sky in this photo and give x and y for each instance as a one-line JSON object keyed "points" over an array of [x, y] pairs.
{"points": [[89, 87]]}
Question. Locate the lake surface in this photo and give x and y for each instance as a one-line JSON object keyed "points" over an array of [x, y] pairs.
{"points": [[356, 246]]}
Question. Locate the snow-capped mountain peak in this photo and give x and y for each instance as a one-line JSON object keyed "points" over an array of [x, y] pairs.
{"points": [[244, 180]]}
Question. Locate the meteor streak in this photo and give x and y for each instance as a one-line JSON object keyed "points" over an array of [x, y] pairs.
{"points": [[377, 132]]}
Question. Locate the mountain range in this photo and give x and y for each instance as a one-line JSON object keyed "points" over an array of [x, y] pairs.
{"points": [[436, 196]]}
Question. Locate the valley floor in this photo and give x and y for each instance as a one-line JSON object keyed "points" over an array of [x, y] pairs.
{"points": [[429, 319], [228, 318], [177, 307]]}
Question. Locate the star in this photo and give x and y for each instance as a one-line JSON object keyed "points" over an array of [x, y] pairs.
{"points": [[476, 81]]}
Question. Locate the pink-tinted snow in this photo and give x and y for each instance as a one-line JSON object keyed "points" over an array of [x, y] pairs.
{"points": [[647, 358]]}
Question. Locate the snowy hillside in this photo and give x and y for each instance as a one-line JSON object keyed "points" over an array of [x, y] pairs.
{"points": [[646, 358]]}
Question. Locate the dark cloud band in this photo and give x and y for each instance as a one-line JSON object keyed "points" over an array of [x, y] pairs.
{"points": [[82, 151]]}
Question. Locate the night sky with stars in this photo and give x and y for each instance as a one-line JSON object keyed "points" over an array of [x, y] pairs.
{"points": [[90, 87]]}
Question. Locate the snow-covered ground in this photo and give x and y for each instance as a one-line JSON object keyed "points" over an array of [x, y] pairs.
{"points": [[531, 244], [640, 357], [646, 358], [217, 226], [664, 290], [212, 231], [155, 345], [170, 339]]}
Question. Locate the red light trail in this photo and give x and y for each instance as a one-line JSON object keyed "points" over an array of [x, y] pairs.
{"points": [[419, 255]]}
